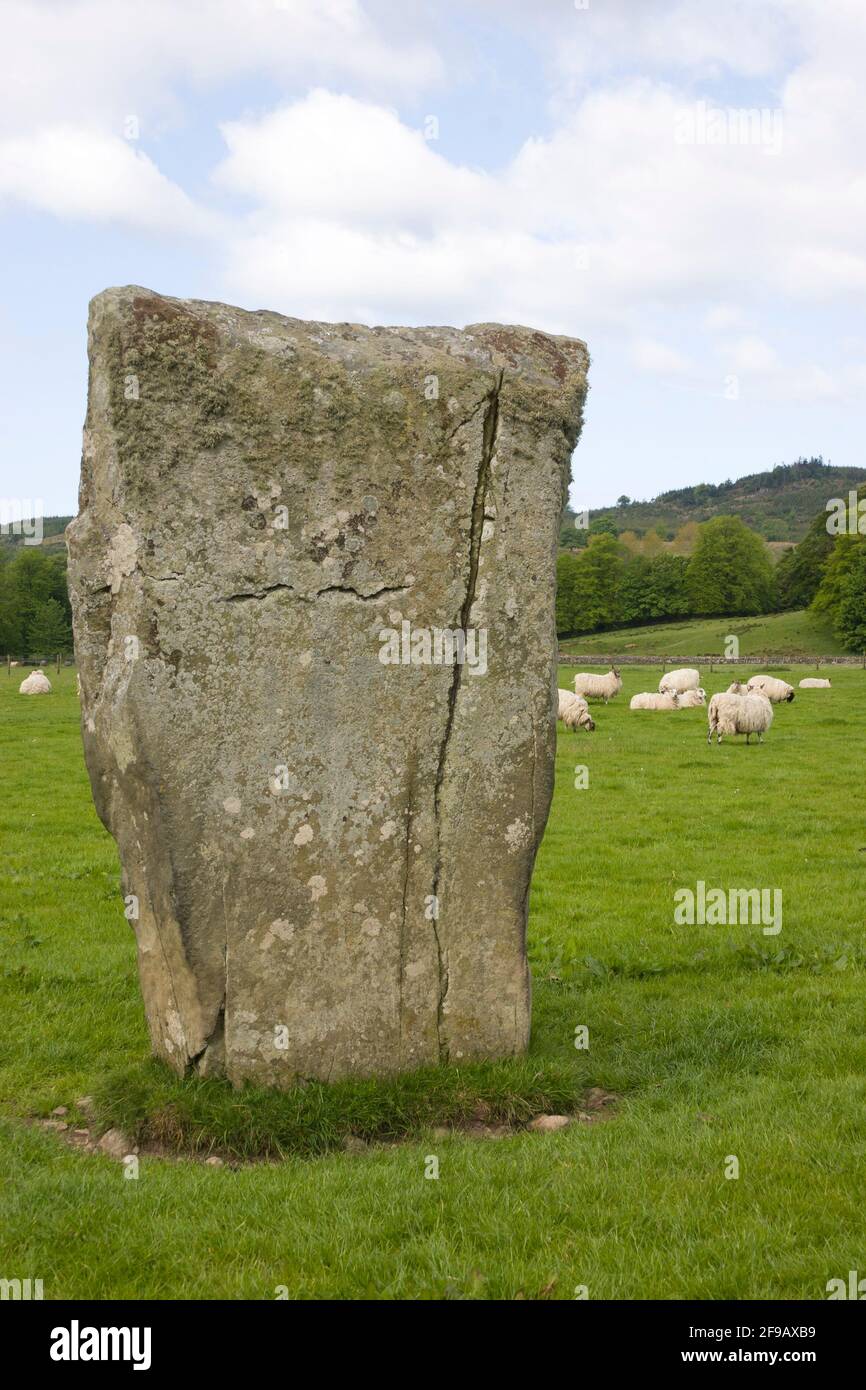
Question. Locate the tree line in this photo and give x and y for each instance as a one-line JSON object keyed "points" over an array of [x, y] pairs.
{"points": [[35, 615], [728, 573], [827, 570]]}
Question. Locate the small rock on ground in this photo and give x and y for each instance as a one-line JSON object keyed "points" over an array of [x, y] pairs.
{"points": [[115, 1144], [546, 1124]]}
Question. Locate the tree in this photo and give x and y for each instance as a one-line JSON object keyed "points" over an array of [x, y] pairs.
{"points": [[730, 571], [49, 630], [623, 500], [34, 604], [667, 586], [850, 623], [599, 525], [801, 570], [686, 538], [565, 606], [842, 594]]}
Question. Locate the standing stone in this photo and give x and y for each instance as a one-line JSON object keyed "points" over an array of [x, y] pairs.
{"points": [[327, 823]]}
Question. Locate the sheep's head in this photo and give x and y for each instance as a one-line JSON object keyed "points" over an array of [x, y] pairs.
{"points": [[614, 672], [587, 722], [789, 697]]}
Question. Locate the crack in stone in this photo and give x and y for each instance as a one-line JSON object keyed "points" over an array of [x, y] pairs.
{"points": [[347, 589], [255, 593], [407, 869], [259, 594], [476, 526], [216, 1035], [471, 416]]}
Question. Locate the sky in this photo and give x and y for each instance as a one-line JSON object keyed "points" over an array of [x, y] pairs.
{"points": [[678, 183]]}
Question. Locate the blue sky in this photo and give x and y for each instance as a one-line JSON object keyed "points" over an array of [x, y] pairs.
{"points": [[679, 184]]}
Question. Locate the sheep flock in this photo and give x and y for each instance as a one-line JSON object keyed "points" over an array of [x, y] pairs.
{"points": [[746, 707]]}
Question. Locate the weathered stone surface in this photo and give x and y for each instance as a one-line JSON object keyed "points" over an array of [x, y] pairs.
{"points": [[329, 856]]}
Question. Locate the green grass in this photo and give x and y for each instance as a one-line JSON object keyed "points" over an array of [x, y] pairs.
{"points": [[799, 634], [150, 1103], [718, 1041]]}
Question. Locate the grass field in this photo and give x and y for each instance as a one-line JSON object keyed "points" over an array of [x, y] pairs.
{"points": [[802, 634], [718, 1041]]}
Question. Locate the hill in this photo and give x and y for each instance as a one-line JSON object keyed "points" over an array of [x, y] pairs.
{"points": [[53, 528], [780, 504], [802, 635]]}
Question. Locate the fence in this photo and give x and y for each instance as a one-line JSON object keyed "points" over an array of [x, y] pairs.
{"points": [[777, 659], [57, 659]]}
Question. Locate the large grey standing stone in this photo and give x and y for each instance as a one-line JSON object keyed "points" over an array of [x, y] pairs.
{"points": [[326, 858]]}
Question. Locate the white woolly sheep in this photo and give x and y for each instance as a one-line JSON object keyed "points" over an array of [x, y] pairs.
{"points": [[692, 699], [774, 689], [737, 688], [680, 681], [813, 683], [574, 712], [35, 684], [739, 714], [649, 700], [598, 687]]}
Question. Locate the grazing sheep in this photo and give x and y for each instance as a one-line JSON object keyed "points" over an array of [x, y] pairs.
{"points": [[680, 681], [739, 714], [14, 663], [649, 700], [692, 699], [598, 687], [737, 688], [35, 684], [574, 712], [774, 689], [813, 683]]}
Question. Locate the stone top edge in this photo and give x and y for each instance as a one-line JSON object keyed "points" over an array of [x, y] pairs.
{"points": [[496, 345]]}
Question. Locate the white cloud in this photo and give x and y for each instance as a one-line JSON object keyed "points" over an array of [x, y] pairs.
{"points": [[338, 208], [752, 354], [762, 373], [723, 318], [651, 356], [100, 60], [740, 37], [81, 174], [603, 222], [351, 162]]}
